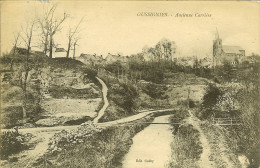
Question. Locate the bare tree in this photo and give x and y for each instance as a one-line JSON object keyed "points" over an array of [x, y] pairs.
{"points": [[50, 25], [27, 38], [72, 37], [44, 25], [16, 39]]}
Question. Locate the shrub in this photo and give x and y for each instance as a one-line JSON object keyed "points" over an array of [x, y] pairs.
{"points": [[246, 135], [11, 143], [209, 101], [186, 147], [190, 103], [124, 96], [155, 91], [11, 116], [178, 117], [100, 149]]}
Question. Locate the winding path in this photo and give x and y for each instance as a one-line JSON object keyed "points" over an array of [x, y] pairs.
{"points": [[104, 92], [43, 134]]}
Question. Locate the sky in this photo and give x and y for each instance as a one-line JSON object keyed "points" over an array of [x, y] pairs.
{"points": [[114, 27]]}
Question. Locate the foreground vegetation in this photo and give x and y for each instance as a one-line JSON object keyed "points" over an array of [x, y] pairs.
{"points": [[241, 103], [104, 148], [186, 146], [11, 143]]}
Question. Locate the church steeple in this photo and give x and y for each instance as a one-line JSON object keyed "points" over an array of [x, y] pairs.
{"points": [[217, 48]]}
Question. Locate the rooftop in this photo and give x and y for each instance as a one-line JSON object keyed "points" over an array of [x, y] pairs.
{"points": [[232, 49]]}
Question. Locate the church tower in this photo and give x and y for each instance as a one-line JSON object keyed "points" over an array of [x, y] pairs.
{"points": [[217, 49]]}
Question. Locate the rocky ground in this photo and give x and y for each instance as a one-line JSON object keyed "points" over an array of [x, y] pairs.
{"points": [[61, 111]]}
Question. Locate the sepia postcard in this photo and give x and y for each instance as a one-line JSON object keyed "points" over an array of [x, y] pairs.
{"points": [[129, 84]]}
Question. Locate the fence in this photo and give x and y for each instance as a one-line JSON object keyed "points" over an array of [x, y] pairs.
{"points": [[225, 121]]}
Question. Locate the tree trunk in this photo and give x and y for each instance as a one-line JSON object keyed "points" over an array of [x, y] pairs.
{"points": [[51, 46], [74, 50], [68, 51], [24, 111], [24, 83], [45, 44]]}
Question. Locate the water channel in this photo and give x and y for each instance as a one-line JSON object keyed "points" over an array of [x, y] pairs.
{"points": [[151, 147]]}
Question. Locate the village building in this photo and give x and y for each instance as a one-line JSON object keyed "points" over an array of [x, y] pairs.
{"points": [[59, 53], [206, 62], [225, 53], [114, 58], [92, 59], [185, 61]]}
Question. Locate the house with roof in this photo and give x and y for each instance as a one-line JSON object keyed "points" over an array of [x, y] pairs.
{"points": [[90, 59], [226, 53], [114, 58], [185, 61], [59, 53], [205, 62]]}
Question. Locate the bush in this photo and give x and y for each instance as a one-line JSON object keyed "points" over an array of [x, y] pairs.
{"points": [[209, 101], [186, 147], [11, 116], [178, 117], [100, 149], [11, 143], [246, 135], [190, 103], [155, 91], [124, 96]]}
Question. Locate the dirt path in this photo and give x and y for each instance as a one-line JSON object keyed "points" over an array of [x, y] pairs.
{"points": [[104, 92], [221, 153], [42, 136], [28, 157], [216, 152], [204, 161]]}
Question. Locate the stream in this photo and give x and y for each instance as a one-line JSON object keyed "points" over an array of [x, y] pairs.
{"points": [[151, 147]]}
